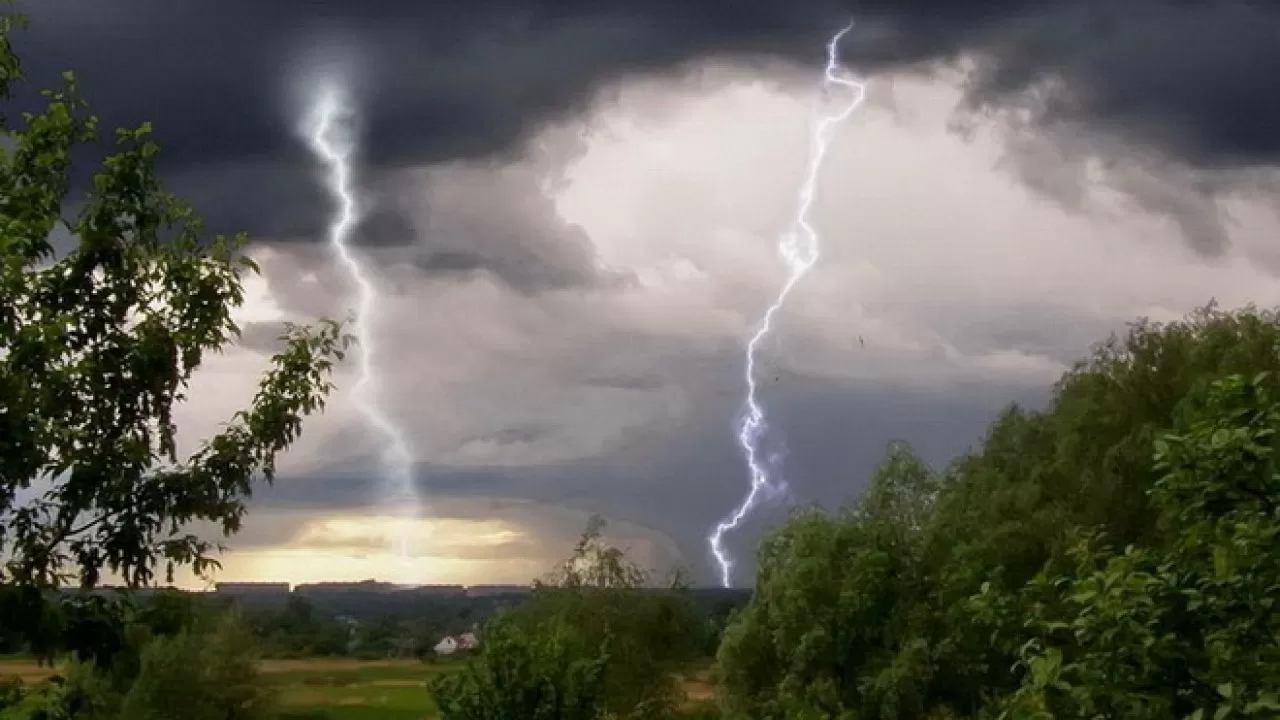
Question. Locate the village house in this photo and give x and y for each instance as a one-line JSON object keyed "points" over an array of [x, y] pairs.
{"points": [[451, 644]]}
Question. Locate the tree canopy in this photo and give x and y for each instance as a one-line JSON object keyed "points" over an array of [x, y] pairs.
{"points": [[1116, 554], [595, 640]]}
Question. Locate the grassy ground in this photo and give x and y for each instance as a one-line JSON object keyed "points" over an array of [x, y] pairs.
{"points": [[323, 689], [23, 668], [344, 689]]}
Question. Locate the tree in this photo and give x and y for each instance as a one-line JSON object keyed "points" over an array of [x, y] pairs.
{"points": [[1185, 630], [920, 609], [602, 595], [593, 624], [170, 611], [97, 345], [520, 674], [823, 636], [1082, 464], [201, 673]]}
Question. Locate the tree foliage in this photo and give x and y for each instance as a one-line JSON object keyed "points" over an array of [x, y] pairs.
{"points": [[206, 672], [205, 667], [97, 345], [1113, 555], [833, 600], [593, 624], [1185, 630], [546, 675]]}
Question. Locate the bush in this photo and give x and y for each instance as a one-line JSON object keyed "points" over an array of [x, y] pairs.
{"points": [[542, 676], [83, 693], [12, 691], [194, 675], [549, 655]]}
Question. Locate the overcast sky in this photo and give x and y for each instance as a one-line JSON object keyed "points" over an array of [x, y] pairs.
{"points": [[572, 211]]}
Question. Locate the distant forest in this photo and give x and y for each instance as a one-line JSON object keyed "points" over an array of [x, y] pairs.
{"points": [[366, 620]]}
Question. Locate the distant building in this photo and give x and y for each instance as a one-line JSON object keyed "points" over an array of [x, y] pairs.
{"points": [[364, 586], [447, 646], [451, 644]]}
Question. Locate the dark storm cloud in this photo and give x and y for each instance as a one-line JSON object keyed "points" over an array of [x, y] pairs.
{"points": [[481, 220], [1182, 82]]}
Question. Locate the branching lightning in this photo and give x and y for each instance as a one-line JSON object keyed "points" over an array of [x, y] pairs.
{"points": [[799, 248], [332, 140]]}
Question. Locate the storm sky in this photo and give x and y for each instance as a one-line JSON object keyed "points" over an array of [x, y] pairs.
{"points": [[572, 210]]}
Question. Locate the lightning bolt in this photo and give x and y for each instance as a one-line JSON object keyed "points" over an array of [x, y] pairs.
{"points": [[799, 248], [332, 140]]}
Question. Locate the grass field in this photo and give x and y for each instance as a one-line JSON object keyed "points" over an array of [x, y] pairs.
{"points": [[343, 689], [336, 689], [324, 688]]}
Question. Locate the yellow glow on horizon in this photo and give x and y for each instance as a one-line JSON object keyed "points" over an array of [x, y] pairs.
{"points": [[301, 565], [351, 548], [381, 530]]}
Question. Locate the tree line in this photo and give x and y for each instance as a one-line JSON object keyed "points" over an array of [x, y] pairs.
{"points": [[1115, 554]]}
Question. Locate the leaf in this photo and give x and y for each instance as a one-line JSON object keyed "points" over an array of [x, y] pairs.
{"points": [[1221, 561], [1267, 701]]}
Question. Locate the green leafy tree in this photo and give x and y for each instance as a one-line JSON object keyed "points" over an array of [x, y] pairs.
{"points": [[82, 692], [923, 613], [170, 611], [823, 634], [596, 599], [31, 622], [98, 344], [201, 674], [1018, 503], [518, 674], [1186, 630], [603, 595]]}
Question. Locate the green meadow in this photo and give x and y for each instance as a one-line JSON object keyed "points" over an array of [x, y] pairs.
{"points": [[344, 689], [324, 689]]}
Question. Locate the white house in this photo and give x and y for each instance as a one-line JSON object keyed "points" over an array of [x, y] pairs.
{"points": [[450, 644]]}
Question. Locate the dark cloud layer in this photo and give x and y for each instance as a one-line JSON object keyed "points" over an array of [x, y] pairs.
{"points": [[1179, 82]]}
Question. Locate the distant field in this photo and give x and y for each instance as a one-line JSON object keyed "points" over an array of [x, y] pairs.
{"points": [[324, 688], [22, 668], [341, 689], [347, 689]]}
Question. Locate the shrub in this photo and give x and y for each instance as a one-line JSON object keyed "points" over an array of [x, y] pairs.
{"points": [[194, 675], [543, 676]]}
